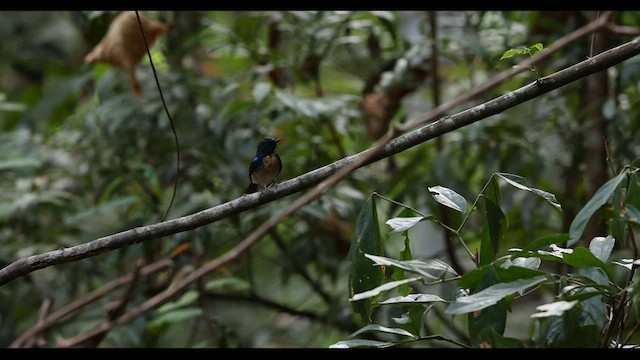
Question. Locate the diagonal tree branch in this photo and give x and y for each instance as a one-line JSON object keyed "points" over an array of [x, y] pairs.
{"points": [[386, 148]]}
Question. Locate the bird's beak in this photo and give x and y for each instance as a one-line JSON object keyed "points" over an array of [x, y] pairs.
{"points": [[278, 140]]}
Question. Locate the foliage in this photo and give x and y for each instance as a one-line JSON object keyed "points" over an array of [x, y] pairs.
{"points": [[593, 301], [81, 157]]}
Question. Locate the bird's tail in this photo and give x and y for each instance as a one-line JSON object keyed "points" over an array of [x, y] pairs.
{"points": [[253, 187]]}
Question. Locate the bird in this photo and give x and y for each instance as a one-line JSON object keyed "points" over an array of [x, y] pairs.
{"points": [[265, 166]]}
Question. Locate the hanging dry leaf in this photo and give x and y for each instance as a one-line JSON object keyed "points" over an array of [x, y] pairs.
{"points": [[123, 45]]}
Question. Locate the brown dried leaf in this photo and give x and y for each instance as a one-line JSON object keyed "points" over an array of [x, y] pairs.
{"points": [[123, 45]]}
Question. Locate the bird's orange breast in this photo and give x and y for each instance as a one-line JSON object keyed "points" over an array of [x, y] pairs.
{"points": [[267, 172]]}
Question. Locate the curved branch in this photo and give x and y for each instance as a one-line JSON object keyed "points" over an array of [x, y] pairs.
{"points": [[387, 148]]}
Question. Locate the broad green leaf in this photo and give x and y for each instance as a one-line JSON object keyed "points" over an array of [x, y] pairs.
{"points": [[363, 275], [565, 331], [382, 288], [581, 256], [471, 279], [487, 321], [186, 299], [402, 224], [175, 316], [490, 295], [553, 309], [594, 310], [512, 180], [413, 319], [449, 198], [413, 299], [525, 262], [601, 247], [384, 329], [432, 269], [501, 342], [492, 230], [599, 198], [228, 284], [508, 54], [536, 47]]}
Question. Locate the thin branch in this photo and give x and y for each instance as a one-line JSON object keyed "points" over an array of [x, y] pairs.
{"points": [[389, 145], [78, 304], [623, 30], [114, 310], [166, 109], [315, 285]]}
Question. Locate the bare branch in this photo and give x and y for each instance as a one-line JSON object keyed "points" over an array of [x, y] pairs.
{"points": [[78, 304]]}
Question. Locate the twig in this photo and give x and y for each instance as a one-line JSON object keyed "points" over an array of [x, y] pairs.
{"points": [[166, 109], [78, 304]]}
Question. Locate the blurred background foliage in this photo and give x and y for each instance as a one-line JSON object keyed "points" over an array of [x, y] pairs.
{"points": [[81, 156]]}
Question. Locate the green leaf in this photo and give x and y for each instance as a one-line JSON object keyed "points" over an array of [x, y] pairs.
{"points": [[471, 279], [508, 54], [531, 263], [492, 231], [432, 269], [363, 275], [599, 198], [553, 309], [581, 256], [513, 180], [382, 288], [175, 316], [413, 319], [484, 322], [565, 331], [402, 224], [501, 342], [412, 299], [449, 198], [384, 329], [490, 295], [229, 284], [186, 299], [536, 47], [601, 247]]}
